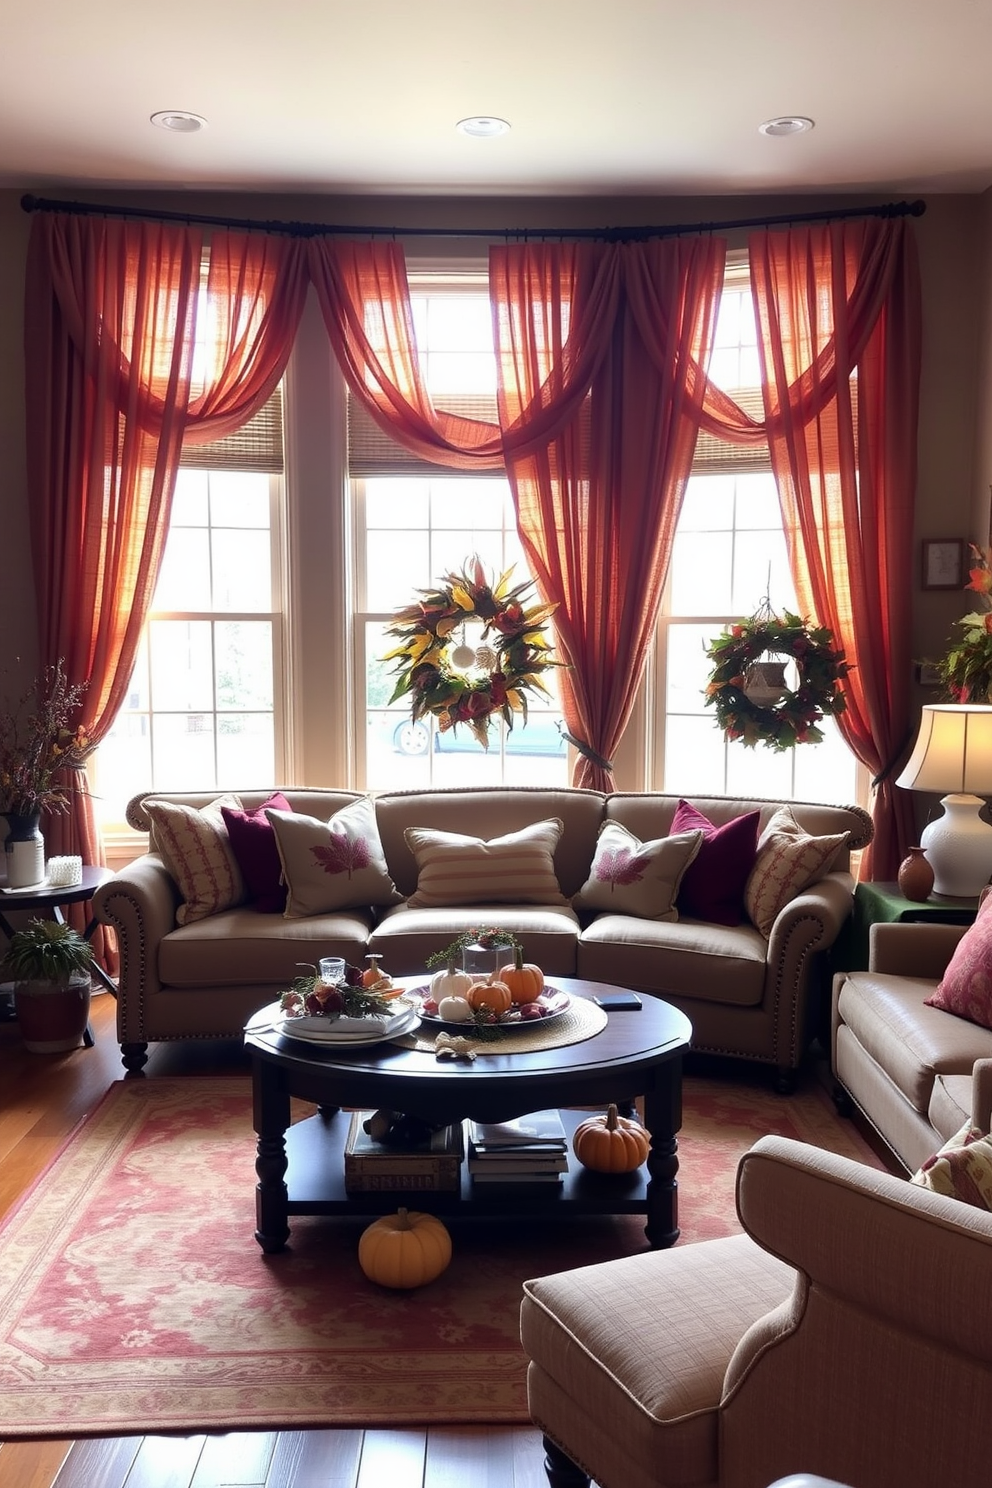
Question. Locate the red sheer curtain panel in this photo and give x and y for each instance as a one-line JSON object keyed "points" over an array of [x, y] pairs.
{"points": [[613, 335], [839, 334], [116, 377]]}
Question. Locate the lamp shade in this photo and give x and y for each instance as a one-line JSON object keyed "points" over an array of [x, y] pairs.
{"points": [[953, 750]]}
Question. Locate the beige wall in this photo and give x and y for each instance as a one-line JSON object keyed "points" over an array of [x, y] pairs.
{"points": [[955, 447]]}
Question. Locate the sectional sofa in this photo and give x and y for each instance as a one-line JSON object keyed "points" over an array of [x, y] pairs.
{"points": [[596, 886]]}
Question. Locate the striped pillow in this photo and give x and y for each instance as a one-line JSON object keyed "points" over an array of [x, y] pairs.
{"points": [[197, 852], [516, 869]]}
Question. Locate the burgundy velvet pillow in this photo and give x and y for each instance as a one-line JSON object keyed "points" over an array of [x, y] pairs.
{"points": [[253, 842], [714, 882]]}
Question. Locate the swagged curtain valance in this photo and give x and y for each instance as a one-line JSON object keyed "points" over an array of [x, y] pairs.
{"points": [[601, 349]]}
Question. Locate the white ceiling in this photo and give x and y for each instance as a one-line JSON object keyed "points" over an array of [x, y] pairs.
{"points": [[629, 98]]}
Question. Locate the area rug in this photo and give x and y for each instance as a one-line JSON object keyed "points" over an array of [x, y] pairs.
{"points": [[134, 1299]]}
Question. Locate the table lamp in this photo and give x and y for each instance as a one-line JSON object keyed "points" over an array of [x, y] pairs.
{"points": [[953, 753]]}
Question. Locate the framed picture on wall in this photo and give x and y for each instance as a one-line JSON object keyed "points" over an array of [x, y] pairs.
{"points": [[943, 563]]}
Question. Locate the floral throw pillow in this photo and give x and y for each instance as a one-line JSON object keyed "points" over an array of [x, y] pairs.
{"points": [[962, 1169], [788, 861], [632, 877], [197, 852], [336, 864], [965, 989]]}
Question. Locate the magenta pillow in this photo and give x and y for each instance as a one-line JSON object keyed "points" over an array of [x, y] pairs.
{"points": [[253, 842], [965, 989], [714, 882]]}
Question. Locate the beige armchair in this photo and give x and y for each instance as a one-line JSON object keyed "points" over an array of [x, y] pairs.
{"points": [[847, 1333]]}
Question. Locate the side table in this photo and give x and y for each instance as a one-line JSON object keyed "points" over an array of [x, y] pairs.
{"points": [[52, 898], [883, 903]]}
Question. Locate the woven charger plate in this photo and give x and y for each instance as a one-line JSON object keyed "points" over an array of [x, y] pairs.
{"points": [[580, 1020]]}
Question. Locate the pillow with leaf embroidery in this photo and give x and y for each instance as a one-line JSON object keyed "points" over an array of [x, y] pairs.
{"points": [[337, 864], [632, 877]]}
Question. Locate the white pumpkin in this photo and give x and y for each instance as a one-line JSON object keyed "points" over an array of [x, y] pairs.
{"points": [[450, 983], [454, 1010]]}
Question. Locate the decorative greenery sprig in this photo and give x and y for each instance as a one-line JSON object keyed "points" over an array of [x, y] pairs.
{"points": [[313, 996], [793, 720], [40, 735], [505, 669], [966, 670], [490, 938]]}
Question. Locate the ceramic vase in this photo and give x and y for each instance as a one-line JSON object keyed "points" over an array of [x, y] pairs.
{"points": [[24, 849], [915, 876], [52, 1017]]}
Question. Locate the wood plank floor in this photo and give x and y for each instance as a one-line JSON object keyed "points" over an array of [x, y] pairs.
{"points": [[42, 1099]]}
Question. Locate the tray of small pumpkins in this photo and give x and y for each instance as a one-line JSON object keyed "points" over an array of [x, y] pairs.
{"points": [[514, 996]]}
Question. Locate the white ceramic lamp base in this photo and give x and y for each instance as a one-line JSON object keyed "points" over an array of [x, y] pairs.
{"points": [[958, 847]]}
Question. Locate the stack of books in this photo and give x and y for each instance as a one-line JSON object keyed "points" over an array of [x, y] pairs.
{"points": [[531, 1149], [375, 1167]]}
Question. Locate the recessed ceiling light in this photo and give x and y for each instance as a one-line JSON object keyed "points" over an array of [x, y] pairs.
{"points": [[786, 124], [483, 126], [179, 121]]}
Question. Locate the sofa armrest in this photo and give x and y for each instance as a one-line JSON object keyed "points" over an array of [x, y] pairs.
{"points": [[807, 925], [882, 1245], [140, 903], [981, 1095], [912, 950]]}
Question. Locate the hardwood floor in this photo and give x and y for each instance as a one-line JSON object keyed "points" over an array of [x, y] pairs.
{"points": [[42, 1099]]}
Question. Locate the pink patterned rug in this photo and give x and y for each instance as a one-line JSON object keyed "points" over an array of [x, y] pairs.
{"points": [[133, 1298]]}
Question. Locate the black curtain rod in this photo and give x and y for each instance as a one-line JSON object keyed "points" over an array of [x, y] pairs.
{"points": [[609, 234]]}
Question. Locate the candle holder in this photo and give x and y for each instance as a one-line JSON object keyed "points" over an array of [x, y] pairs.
{"points": [[64, 872]]}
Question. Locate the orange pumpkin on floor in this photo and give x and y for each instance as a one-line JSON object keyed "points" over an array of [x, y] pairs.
{"points": [[611, 1143], [404, 1250], [524, 979]]}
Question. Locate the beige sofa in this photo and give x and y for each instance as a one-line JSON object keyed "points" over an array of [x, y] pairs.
{"points": [[847, 1333], [746, 995], [908, 1067]]}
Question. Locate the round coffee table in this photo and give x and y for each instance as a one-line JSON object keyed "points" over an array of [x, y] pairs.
{"points": [[300, 1167]]}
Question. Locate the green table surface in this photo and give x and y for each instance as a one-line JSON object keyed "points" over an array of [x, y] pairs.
{"points": [[882, 902]]}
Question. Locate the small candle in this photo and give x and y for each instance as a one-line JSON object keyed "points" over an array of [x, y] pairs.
{"points": [[64, 872]]}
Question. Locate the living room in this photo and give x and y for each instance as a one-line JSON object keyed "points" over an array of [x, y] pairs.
{"points": [[325, 743]]}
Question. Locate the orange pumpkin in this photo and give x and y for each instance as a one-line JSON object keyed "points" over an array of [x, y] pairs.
{"points": [[495, 996], [404, 1250], [524, 979], [611, 1143]]}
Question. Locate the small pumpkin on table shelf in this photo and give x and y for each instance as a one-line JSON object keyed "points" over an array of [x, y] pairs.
{"points": [[404, 1250], [524, 979], [611, 1143]]}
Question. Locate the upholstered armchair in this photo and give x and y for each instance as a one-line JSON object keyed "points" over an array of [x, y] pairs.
{"points": [[846, 1334]]}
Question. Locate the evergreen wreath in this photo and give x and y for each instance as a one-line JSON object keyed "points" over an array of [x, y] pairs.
{"points": [[794, 718], [499, 673]]}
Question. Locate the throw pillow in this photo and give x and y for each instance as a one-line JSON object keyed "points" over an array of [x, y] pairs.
{"points": [[336, 864], [715, 880], [632, 877], [518, 868], [197, 852], [788, 861], [965, 989], [253, 841], [962, 1169]]}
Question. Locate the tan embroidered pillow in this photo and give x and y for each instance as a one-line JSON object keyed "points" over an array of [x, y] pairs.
{"points": [[788, 861], [632, 877], [962, 1169], [515, 869], [198, 853], [336, 864]]}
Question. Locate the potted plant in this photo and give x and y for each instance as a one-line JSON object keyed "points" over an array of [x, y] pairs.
{"points": [[49, 964]]}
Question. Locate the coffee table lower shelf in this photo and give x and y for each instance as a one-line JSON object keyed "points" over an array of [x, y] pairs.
{"points": [[315, 1183]]}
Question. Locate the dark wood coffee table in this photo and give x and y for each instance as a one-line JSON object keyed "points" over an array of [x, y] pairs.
{"points": [[300, 1168]]}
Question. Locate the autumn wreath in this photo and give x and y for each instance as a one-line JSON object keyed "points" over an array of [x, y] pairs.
{"points": [[471, 684], [793, 718]]}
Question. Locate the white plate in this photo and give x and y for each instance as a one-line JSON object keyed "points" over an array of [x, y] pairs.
{"points": [[555, 1001], [348, 1040]]}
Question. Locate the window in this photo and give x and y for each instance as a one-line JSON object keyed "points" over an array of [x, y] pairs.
{"points": [[414, 522], [202, 710]]}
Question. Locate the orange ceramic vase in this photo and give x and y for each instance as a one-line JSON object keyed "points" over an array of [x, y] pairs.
{"points": [[915, 876]]}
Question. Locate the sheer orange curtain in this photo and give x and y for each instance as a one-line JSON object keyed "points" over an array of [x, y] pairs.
{"points": [[120, 367], [839, 333], [598, 501]]}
